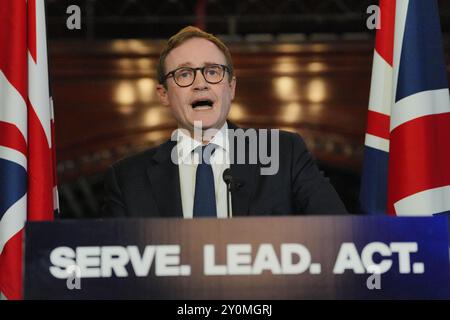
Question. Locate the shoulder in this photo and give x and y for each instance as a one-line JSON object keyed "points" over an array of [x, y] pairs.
{"points": [[135, 159], [141, 159], [284, 135], [286, 140]]}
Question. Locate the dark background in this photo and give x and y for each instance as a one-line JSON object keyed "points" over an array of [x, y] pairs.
{"points": [[303, 66]]}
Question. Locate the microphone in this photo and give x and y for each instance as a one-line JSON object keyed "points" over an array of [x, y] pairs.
{"points": [[228, 179]]}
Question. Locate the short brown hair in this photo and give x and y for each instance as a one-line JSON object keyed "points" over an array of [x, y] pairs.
{"points": [[182, 36]]}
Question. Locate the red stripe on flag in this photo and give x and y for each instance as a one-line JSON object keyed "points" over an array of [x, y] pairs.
{"points": [[12, 138], [384, 43], [32, 29], [40, 170], [378, 124], [419, 157], [13, 44], [11, 267]]}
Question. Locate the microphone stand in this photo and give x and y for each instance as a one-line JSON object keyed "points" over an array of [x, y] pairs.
{"points": [[228, 179], [228, 200]]}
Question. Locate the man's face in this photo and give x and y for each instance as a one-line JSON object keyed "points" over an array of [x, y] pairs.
{"points": [[195, 53]]}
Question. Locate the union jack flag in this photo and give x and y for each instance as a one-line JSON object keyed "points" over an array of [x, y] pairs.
{"points": [[27, 153], [407, 146]]}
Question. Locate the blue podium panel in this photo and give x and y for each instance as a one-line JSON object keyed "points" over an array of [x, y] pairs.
{"points": [[322, 257]]}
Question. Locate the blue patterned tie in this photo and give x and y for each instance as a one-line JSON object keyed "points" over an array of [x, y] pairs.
{"points": [[205, 195]]}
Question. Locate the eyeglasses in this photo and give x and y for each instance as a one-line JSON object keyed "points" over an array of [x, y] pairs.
{"points": [[185, 76]]}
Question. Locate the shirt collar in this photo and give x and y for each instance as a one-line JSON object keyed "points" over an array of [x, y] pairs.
{"points": [[185, 144]]}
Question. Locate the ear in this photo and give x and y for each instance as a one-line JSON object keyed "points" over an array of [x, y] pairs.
{"points": [[233, 87], [162, 94]]}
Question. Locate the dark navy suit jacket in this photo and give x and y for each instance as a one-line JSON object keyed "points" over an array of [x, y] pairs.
{"points": [[147, 185]]}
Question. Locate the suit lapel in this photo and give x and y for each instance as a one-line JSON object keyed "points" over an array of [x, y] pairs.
{"points": [[244, 179], [243, 175], [165, 182]]}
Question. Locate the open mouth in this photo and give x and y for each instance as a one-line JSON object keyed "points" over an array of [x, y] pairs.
{"points": [[202, 104]]}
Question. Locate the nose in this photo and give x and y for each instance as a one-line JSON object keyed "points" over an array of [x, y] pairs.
{"points": [[199, 81]]}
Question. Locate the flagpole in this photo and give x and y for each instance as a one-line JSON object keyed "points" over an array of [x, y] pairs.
{"points": [[49, 67]]}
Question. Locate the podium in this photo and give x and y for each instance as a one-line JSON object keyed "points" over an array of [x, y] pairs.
{"points": [[314, 257]]}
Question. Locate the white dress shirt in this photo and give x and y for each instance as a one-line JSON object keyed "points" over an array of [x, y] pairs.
{"points": [[187, 166]]}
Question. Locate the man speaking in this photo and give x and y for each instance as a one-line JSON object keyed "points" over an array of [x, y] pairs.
{"points": [[209, 167]]}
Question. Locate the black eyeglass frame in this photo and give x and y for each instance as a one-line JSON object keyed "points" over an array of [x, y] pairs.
{"points": [[171, 74]]}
